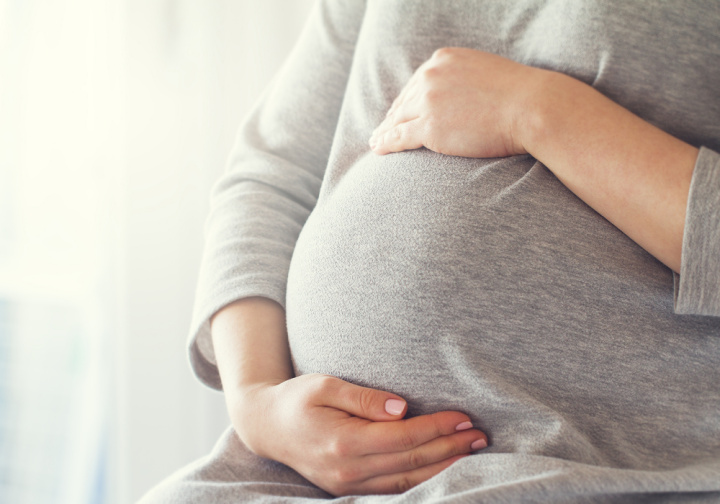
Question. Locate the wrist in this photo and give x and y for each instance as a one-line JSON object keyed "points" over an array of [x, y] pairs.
{"points": [[249, 406], [551, 98], [249, 393]]}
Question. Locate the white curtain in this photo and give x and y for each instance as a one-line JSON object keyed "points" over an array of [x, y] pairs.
{"points": [[115, 119]]}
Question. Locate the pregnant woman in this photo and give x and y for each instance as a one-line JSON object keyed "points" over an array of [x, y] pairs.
{"points": [[469, 251]]}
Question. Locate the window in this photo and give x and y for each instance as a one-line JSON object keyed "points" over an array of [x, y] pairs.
{"points": [[116, 118], [55, 226]]}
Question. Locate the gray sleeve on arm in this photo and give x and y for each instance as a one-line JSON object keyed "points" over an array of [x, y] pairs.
{"points": [[273, 176], [697, 289]]}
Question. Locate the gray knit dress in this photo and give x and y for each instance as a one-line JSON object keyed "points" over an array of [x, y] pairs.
{"points": [[478, 285]]}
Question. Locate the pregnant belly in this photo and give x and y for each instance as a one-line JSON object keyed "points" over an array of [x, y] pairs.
{"points": [[392, 263], [480, 286], [412, 261]]}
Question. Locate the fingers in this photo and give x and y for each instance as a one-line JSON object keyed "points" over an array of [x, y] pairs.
{"points": [[393, 472], [362, 402], [404, 136], [395, 125], [409, 434], [402, 482], [410, 90], [437, 450], [359, 443], [383, 435], [397, 472], [404, 107]]}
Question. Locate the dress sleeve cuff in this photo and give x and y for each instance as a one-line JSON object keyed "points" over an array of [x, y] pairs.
{"points": [[697, 288]]}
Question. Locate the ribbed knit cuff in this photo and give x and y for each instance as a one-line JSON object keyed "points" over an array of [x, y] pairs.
{"points": [[697, 289]]}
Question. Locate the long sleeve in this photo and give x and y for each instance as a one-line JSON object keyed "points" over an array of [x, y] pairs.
{"points": [[697, 289], [274, 175]]}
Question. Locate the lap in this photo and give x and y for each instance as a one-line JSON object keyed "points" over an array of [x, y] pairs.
{"points": [[230, 474]]}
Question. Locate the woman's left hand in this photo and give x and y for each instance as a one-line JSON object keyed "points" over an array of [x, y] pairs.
{"points": [[461, 102], [464, 102]]}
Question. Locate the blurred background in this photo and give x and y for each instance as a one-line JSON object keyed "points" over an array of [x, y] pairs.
{"points": [[116, 117]]}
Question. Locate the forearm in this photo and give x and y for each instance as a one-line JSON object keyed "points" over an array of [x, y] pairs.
{"points": [[475, 104], [629, 171], [250, 341]]}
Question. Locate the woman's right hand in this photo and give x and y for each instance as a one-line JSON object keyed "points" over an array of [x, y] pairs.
{"points": [[348, 439]]}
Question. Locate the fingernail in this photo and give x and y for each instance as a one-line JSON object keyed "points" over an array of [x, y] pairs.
{"points": [[463, 426], [479, 444], [394, 406]]}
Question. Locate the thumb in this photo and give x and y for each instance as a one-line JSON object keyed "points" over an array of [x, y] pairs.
{"points": [[363, 402]]}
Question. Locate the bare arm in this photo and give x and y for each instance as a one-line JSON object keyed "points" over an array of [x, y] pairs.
{"points": [[251, 346], [344, 438], [469, 103], [629, 171]]}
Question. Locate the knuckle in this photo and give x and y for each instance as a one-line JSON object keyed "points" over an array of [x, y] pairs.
{"points": [[431, 125], [406, 441], [431, 97], [437, 425], [321, 385], [434, 426], [444, 53], [393, 136], [344, 477], [338, 448], [365, 398], [431, 72], [403, 484], [416, 459], [457, 446], [325, 381]]}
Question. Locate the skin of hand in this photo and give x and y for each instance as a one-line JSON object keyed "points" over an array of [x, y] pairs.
{"points": [[453, 96], [464, 102], [344, 438]]}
